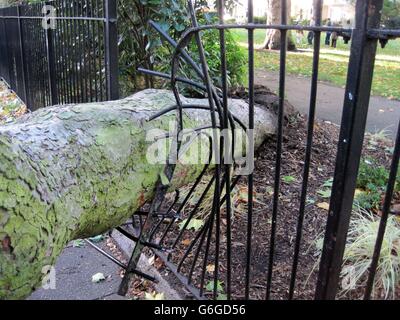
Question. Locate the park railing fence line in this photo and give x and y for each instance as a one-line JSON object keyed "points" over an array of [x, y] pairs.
{"points": [[204, 250], [78, 61], [60, 51]]}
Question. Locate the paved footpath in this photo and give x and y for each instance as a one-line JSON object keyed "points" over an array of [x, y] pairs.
{"points": [[383, 114], [74, 270], [76, 266]]}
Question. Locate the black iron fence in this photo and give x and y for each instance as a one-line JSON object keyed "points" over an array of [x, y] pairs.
{"points": [[77, 64], [60, 51], [218, 259]]}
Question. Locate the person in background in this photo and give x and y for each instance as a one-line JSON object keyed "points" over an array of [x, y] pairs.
{"points": [[310, 38], [329, 33], [299, 36], [334, 38]]}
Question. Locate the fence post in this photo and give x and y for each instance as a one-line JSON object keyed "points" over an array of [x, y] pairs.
{"points": [[51, 61], [111, 48], [355, 110], [23, 62]]}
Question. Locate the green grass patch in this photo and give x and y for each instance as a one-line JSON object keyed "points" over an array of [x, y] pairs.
{"points": [[333, 64], [391, 49], [386, 81]]}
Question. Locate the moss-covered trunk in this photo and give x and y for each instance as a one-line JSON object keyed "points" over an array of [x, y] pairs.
{"points": [[69, 172]]}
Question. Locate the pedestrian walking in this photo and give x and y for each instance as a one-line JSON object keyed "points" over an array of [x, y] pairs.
{"points": [[310, 38], [329, 33]]}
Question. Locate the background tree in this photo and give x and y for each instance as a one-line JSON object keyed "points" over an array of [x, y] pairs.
{"points": [[391, 14], [273, 37]]}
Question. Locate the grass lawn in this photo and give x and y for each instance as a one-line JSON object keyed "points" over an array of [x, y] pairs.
{"points": [[333, 63]]}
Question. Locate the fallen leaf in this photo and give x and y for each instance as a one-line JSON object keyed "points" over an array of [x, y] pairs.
{"points": [[154, 296], [98, 277], [323, 205], [186, 242], [78, 243], [325, 193], [194, 224], [210, 286], [222, 297], [288, 179], [211, 268], [97, 239]]}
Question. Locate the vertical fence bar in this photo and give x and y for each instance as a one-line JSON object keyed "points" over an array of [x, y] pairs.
{"points": [[251, 127], [278, 164], [355, 110], [5, 65], [227, 167], [111, 48], [74, 52], [101, 37], [384, 217], [51, 64], [8, 49], [2, 45], [22, 54], [310, 132]]}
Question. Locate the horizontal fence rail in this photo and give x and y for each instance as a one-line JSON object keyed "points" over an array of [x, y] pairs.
{"points": [[60, 51]]}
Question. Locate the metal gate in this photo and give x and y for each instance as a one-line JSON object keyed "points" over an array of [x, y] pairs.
{"points": [[198, 257]]}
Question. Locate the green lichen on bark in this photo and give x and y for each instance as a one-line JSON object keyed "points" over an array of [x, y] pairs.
{"points": [[74, 171]]}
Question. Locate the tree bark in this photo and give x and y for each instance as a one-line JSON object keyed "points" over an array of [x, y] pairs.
{"points": [[273, 37], [75, 171]]}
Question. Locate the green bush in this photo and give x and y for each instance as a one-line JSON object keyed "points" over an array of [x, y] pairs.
{"points": [[371, 174], [235, 55], [141, 46], [372, 182], [369, 199]]}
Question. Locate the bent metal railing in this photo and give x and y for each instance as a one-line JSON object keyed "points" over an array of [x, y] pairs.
{"points": [[207, 252], [210, 248], [60, 51]]}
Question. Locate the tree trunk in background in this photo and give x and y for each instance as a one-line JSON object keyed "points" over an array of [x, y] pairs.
{"points": [[75, 171], [273, 37], [315, 11]]}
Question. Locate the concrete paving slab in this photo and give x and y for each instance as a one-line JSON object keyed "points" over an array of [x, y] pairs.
{"points": [[74, 270]]}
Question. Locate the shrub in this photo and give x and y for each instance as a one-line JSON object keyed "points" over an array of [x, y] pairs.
{"points": [[235, 55], [371, 174], [140, 46], [371, 183], [359, 251]]}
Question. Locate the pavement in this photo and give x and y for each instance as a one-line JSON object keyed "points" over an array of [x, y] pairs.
{"points": [[384, 114], [76, 266], [74, 270]]}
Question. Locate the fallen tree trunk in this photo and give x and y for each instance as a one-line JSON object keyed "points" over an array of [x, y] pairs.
{"points": [[69, 172]]}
